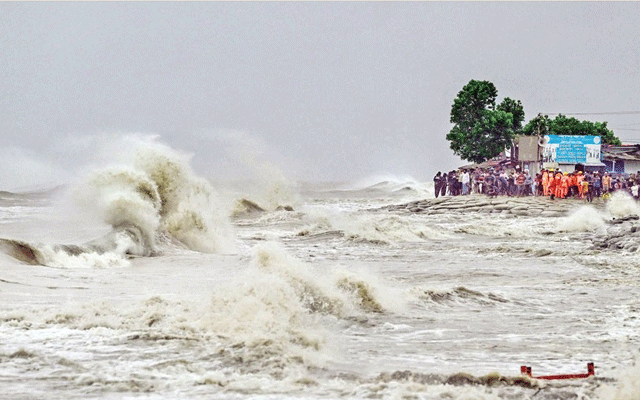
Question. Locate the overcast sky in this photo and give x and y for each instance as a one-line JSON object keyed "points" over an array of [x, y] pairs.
{"points": [[325, 91]]}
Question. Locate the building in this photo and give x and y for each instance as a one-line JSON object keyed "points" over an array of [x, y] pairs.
{"points": [[565, 152], [622, 159]]}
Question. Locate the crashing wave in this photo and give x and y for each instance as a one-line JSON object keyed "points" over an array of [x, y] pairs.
{"points": [[152, 193], [124, 240]]}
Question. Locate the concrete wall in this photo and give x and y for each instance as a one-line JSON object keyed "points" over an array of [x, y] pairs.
{"points": [[527, 148]]}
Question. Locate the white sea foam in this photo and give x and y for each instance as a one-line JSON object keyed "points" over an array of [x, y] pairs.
{"points": [[121, 195], [497, 226], [281, 320], [154, 188], [116, 258], [588, 218], [275, 189], [267, 184], [264, 314], [387, 229], [621, 204], [372, 227], [281, 299], [625, 387], [583, 219]]}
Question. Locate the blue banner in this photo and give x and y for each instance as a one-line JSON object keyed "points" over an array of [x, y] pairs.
{"points": [[569, 149]]}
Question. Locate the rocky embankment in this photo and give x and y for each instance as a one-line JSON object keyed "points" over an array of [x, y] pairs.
{"points": [[622, 233], [524, 206]]}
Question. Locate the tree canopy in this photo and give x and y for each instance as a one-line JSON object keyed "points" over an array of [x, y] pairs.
{"points": [[563, 125], [481, 130]]}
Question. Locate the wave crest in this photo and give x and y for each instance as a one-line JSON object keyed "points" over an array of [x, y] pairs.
{"points": [[151, 198], [157, 191]]}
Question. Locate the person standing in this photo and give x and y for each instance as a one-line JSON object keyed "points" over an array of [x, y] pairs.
{"points": [[566, 182], [502, 177], [476, 181], [452, 182], [465, 180], [489, 184], [597, 184], [437, 183], [606, 182], [539, 187], [545, 182], [552, 186], [529, 184], [587, 187], [559, 191], [520, 179], [443, 184], [579, 181]]}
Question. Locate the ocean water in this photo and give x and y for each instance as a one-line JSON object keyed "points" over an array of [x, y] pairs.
{"points": [[143, 280]]}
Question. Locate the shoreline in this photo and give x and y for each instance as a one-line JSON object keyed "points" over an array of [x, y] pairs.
{"points": [[528, 206]]}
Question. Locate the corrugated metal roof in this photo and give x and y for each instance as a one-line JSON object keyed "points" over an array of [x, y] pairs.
{"points": [[629, 152]]}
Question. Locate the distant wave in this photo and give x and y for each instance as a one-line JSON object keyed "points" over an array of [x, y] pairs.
{"points": [[244, 207], [31, 193], [371, 228], [460, 294], [12, 198], [390, 183]]}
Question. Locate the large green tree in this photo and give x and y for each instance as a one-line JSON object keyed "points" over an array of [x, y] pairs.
{"points": [[563, 125], [514, 107], [481, 130]]}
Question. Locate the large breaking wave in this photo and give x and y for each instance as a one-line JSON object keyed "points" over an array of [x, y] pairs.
{"points": [[149, 197], [158, 192]]}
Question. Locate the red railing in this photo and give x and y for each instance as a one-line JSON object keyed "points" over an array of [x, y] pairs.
{"points": [[590, 371]]}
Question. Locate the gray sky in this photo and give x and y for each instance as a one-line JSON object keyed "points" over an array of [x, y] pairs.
{"points": [[324, 91]]}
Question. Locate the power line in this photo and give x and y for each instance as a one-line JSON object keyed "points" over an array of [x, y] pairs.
{"points": [[598, 113]]}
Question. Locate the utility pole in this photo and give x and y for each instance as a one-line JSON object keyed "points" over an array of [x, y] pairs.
{"points": [[539, 147]]}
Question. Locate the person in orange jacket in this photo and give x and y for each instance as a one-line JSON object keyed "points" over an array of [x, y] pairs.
{"points": [[566, 181], [573, 184], [559, 192], [545, 182], [551, 186]]}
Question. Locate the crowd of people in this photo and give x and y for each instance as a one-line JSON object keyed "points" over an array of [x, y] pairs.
{"points": [[555, 184]]}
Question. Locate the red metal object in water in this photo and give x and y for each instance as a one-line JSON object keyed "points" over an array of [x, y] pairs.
{"points": [[590, 371]]}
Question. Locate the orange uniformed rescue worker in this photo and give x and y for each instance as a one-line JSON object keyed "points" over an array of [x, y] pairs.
{"points": [[545, 182]]}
